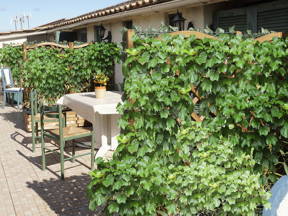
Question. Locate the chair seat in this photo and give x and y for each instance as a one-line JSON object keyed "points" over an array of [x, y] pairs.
{"points": [[13, 89], [69, 132], [46, 118]]}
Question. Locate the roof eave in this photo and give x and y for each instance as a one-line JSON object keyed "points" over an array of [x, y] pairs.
{"points": [[138, 11], [20, 35]]}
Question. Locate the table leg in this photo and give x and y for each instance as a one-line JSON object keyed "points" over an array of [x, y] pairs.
{"points": [[107, 130], [97, 124], [101, 126], [114, 131]]}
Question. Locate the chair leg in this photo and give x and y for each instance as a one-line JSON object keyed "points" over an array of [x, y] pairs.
{"points": [[73, 151], [37, 132], [62, 145], [33, 135], [93, 151], [18, 100], [43, 150], [8, 98], [4, 99]]}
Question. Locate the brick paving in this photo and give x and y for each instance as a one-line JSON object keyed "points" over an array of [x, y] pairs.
{"points": [[26, 190]]}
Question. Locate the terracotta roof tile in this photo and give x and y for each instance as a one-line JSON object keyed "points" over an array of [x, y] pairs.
{"points": [[125, 6]]}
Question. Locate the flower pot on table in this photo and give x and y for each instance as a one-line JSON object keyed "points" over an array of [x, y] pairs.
{"points": [[100, 91]]}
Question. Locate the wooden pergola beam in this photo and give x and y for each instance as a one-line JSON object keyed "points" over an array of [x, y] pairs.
{"points": [[269, 37], [52, 44]]}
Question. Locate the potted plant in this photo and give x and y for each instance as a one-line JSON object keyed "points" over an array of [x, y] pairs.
{"points": [[100, 81]]}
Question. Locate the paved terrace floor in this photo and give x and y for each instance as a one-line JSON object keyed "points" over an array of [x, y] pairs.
{"points": [[26, 190]]}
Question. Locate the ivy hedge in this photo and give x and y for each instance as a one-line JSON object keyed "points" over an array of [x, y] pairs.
{"points": [[165, 163], [55, 72], [12, 56]]}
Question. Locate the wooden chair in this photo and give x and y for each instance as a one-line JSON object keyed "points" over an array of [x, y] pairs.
{"points": [[34, 112], [8, 86], [62, 135]]}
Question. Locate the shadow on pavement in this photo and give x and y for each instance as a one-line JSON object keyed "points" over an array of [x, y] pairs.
{"points": [[22, 140], [15, 117], [65, 198]]}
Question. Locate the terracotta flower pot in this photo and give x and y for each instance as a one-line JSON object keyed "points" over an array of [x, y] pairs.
{"points": [[100, 91]]}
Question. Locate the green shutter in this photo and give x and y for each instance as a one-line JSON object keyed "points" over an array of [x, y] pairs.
{"points": [[240, 22], [273, 16], [234, 17]]}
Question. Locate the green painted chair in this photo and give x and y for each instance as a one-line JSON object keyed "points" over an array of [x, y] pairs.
{"points": [[62, 135], [34, 111]]}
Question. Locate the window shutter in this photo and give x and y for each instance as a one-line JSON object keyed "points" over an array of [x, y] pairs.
{"points": [[272, 16], [273, 19], [234, 17]]}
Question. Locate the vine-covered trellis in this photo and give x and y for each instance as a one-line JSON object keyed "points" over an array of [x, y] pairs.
{"points": [[57, 69], [199, 35], [223, 164]]}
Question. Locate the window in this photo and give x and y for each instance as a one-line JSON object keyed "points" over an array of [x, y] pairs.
{"points": [[272, 16], [76, 35], [82, 35], [229, 18], [128, 24], [67, 36], [97, 34], [275, 19]]}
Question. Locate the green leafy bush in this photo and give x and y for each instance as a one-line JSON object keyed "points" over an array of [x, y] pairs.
{"points": [[205, 173], [220, 178], [12, 56], [55, 72], [245, 83], [165, 166]]}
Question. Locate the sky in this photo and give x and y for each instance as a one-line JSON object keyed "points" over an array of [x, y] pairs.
{"points": [[46, 11]]}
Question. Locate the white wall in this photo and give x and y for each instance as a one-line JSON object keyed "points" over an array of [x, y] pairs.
{"points": [[90, 33], [201, 17], [148, 21], [209, 11], [194, 15], [14, 41], [116, 30], [117, 34], [154, 21]]}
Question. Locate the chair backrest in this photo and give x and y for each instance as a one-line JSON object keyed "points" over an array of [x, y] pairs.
{"points": [[6, 76], [55, 112], [34, 104]]}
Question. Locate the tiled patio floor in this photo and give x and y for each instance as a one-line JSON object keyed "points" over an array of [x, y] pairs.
{"points": [[26, 190]]}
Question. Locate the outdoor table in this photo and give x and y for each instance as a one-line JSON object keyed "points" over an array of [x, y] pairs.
{"points": [[102, 113]]}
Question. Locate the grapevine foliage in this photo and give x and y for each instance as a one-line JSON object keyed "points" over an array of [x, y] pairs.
{"points": [[55, 72], [12, 56], [166, 164]]}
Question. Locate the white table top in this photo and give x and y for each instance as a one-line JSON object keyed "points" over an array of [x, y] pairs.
{"points": [[86, 104]]}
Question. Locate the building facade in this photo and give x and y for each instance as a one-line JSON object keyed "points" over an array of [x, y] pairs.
{"points": [[109, 23], [152, 14]]}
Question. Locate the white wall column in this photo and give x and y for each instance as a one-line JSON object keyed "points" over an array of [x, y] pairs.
{"points": [[90, 33]]}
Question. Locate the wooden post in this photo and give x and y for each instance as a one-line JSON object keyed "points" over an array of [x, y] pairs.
{"points": [[71, 45], [269, 37], [130, 34], [24, 47], [198, 35]]}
